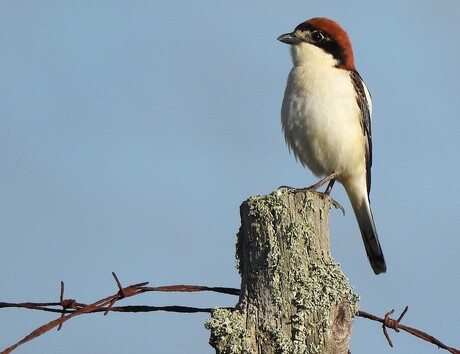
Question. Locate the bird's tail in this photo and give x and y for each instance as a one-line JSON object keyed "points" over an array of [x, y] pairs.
{"points": [[362, 209]]}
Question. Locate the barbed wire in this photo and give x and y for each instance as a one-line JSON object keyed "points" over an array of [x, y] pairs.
{"points": [[388, 322], [69, 308]]}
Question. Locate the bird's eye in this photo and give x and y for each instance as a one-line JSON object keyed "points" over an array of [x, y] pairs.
{"points": [[317, 36]]}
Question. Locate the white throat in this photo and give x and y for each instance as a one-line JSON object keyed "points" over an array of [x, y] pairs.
{"points": [[309, 54]]}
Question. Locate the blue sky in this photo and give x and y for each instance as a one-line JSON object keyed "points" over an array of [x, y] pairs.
{"points": [[130, 133]]}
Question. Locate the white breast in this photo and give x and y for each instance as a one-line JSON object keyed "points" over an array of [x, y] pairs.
{"points": [[321, 120]]}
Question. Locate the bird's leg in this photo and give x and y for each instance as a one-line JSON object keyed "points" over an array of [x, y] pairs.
{"points": [[330, 178], [328, 192], [329, 187], [314, 187]]}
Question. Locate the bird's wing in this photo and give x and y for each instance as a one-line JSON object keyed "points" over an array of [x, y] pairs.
{"points": [[363, 99]]}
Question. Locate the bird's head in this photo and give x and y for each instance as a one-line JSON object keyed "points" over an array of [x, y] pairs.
{"points": [[320, 41]]}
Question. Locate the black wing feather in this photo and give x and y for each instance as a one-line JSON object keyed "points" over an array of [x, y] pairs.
{"points": [[364, 106]]}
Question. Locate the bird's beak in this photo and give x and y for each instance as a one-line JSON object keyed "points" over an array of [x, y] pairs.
{"points": [[289, 38]]}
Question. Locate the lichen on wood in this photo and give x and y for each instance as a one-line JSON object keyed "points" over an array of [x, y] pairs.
{"points": [[294, 298]]}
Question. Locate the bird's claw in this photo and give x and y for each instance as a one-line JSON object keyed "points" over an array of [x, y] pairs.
{"points": [[337, 205], [322, 194]]}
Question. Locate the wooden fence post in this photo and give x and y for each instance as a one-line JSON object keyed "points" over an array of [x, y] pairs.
{"points": [[294, 298]]}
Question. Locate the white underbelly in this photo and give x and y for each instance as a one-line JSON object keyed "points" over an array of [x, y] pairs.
{"points": [[322, 126]]}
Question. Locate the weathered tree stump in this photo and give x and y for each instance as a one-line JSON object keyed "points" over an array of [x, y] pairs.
{"points": [[294, 298]]}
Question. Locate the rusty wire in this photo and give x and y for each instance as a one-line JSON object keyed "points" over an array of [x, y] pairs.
{"points": [[69, 308], [388, 322]]}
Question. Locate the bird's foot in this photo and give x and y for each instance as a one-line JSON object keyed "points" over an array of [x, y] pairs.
{"points": [[334, 202], [314, 187], [324, 194], [330, 179]]}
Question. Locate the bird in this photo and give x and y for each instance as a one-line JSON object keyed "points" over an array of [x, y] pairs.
{"points": [[326, 119]]}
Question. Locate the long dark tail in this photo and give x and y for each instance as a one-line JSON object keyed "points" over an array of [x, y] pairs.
{"points": [[369, 233]]}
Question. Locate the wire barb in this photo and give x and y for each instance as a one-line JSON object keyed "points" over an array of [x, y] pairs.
{"points": [[69, 308], [61, 301], [388, 322]]}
